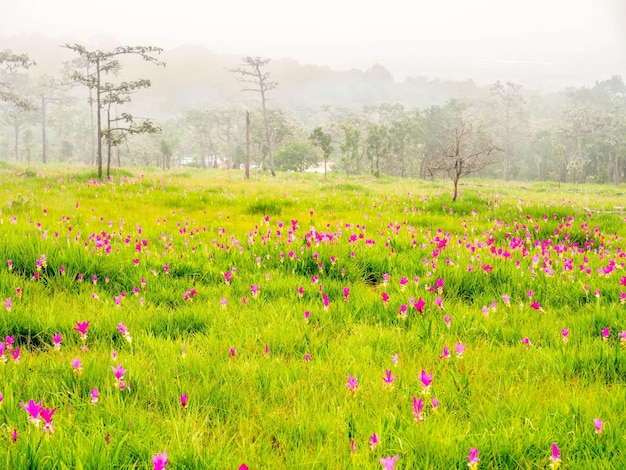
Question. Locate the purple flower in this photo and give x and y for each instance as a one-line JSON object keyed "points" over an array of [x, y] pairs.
{"points": [[389, 379], [34, 411], [555, 458], [183, 400], [373, 441], [446, 353], [352, 384], [426, 379], [418, 409], [473, 458]]}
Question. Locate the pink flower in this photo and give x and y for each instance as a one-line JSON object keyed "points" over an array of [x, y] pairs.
{"points": [[346, 294], [34, 411], [352, 446], [439, 303], [605, 333], [325, 300], [82, 327], [385, 297], [94, 395], [307, 357], [555, 458], [598, 424], [622, 338], [434, 402], [426, 379], [446, 353], [473, 458], [419, 305], [460, 349], [418, 409], [389, 379], [402, 311], [565, 334], [8, 303], [373, 441], [506, 300], [535, 305], [447, 320], [77, 366], [57, 339], [526, 341], [160, 460], [121, 327], [389, 463], [352, 384], [183, 400], [233, 352], [394, 359], [119, 376], [46, 414]]}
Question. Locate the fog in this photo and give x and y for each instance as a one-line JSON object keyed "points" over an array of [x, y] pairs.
{"points": [[483, 40]]}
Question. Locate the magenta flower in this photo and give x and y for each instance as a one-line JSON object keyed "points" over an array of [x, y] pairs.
{"points": [[439, 303], [121, 327], [119, 376], [419, 305], [460, 349], [622, 338], [385, 297], [446, 353], [447, 320], [227, 277], [94, 395], [434, 402], [57, 339], [555, 458], [183, 400], [34, 411], [598, 424], [346, 294], [373, 441], [8, 303], [325, 300], [418, 409], [352, 446], [402, 311], [266, 351], [352, 384], [14, 435], [394, 359], [82, 327], [233, 352], [506, 299], [243, 466], [15, 353], [473, 458], [46, 414], [307, 357], [159, 461], [426, 379], [388, 379], [389, 463], [307, 314], [254, 290], [77, 366], [300, 292], [606, 333], [535, 305]]}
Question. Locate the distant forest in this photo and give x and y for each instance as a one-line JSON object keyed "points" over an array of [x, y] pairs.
{"points": [[192, 112]]}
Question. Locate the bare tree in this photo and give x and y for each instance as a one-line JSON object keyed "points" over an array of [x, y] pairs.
{"points": [[108, 62], [467, 149], [252, 72], [10, 63]]}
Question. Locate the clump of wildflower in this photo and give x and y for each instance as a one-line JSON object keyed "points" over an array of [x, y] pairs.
{"points": [[119, 373], [34, 411]]}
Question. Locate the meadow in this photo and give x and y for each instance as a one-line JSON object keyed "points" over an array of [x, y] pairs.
{"points": [[199, 320]]}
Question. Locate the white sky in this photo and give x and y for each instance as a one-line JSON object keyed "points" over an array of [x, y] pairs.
{"points": [[344, 33]]}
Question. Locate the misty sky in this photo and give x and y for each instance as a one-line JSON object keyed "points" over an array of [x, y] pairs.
{"points": [[346, 34]]}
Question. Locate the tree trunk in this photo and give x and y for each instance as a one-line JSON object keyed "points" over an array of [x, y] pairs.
{"points": [[247, 145], [99, 117]]}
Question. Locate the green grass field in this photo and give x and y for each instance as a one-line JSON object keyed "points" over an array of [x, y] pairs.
{"points": [[298, 319]]}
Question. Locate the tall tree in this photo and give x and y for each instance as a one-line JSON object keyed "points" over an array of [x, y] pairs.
{"points": [[10, 65], [106, 63], [252, 71], [323, 141]]}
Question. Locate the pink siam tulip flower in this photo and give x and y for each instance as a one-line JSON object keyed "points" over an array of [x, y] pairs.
{"points": [[373, 441], [439, 303], [18, 292], [473, 458], [14, 435], [10, 340], [325, 300], [460, 349], [506, 300], [227, 277], [447, 320], [159, 461], [622, 298], [352, 384], [419, 306], [3, 356], [119, 377], [555, 458], [307, 357], [34, 411], [565, 334], [224, 302], [385, 279], [57, 339], [435, 403], [622, 338], [385, 297], [243, 466], [82, 327], [8, 304], [598, 424], [389, 463], [15, 353], [266, 351], [440, 284], [94, 395], [300, 292], [183, 400], [606, 332], [233, 352], [526, 341], [77, 366], [395, 360], [46, 414], [389, 379], [418, 409], [403, 282], [426, 380], [402, 311], [352, 446], [346, 294], [121, 327], [535, 305], [446, 353], [254, 290]]}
